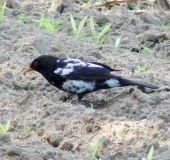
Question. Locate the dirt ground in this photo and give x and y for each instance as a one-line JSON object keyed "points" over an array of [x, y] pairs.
{"points": [[127, 120]]}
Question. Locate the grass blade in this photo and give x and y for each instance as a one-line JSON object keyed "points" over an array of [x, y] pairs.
{"points": [[41, 21], [105, 29], [117, 43], [93, 32], [96, 147], [73, 25], [49, 26], [150, 154], [80, 26], [7, 125], [2, 129], [2, 11], [90, 148]]}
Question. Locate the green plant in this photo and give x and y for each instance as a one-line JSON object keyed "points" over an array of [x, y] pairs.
{"points": [[3, 130], [93, 31], [35, 52], [28, 129], [117, 42], [150, 154], [100, 60], [50, 25], [76, 31], [93, 151], [21, 17], [146, 50], [142, 68], [41, 21], [165, 26], [2, 10], [84, 5], [91, 105]]}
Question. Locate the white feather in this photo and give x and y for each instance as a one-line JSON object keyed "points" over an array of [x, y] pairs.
{"points": [[72, 85], [113, 83]]}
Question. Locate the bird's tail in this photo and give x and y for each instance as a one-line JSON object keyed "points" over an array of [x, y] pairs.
{"points": [[126, 82]]}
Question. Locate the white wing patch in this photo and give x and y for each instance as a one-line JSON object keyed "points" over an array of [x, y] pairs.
{"points": [[113, 83], [78, 86], [77, 62], [62, 71], [72, 64]]}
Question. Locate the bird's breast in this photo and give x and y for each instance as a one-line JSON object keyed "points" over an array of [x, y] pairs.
{"points": [[78, 86]]}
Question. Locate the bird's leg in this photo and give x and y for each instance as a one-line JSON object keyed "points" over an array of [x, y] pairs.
{"points": [[78, 99], [80, 96]]}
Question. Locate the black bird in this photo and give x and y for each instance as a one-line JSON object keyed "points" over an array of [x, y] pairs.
{"points": [[79, 77]]}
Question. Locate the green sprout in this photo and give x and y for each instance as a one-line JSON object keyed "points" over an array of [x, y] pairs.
{"points": [[166, 27], [100, 60], [3, 130], [21, 17], [76, 31], [142, 68], [84, 5], [146, 50], [117, 42], [50, 25], [150, 154], [91, 105], [2, 11], [93, 31], [93, 150]]}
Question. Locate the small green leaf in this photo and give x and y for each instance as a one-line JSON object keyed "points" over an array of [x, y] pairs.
{"points": [[105, 29], [81, 26], [7, 125], [150, 154], [2, 129], [93, 30], [2, 10], [73, 25], [117, 43]]}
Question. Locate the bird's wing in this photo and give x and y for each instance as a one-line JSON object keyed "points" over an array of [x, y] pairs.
{"points": [[75, 69], [105, 66]]}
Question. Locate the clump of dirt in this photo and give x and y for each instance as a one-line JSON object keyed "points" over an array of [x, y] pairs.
{"points": [[127, 120]]}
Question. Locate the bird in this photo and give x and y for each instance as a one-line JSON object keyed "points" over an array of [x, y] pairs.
{"points": [[80, 77]]}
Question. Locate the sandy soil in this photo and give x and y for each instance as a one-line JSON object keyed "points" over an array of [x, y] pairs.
{"points": [[127, 120]]}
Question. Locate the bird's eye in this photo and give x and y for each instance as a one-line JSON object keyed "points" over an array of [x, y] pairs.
{"points": [[35, 64]]}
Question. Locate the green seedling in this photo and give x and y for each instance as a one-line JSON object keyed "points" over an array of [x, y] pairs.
{"points": [[50, 25], [150, 154], [117, 42], [91, 105], [28, 129], [76, 31], [21, 17], [100, 60], [41, 21], [93, 151], [2, 11], [43, 97], [93, 31], [35, 52], [146, 50], [3, 130], [166, 27], [84, 5], [142, 68]]}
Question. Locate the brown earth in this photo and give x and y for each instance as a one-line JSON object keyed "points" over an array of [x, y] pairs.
{"points": [[127, 120]]}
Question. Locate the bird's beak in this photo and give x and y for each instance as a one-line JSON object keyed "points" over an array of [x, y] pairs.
{"points": [[27, 70]]}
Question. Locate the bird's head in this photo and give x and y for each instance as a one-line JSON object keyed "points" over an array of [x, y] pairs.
{"points": [[42, 64]]}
